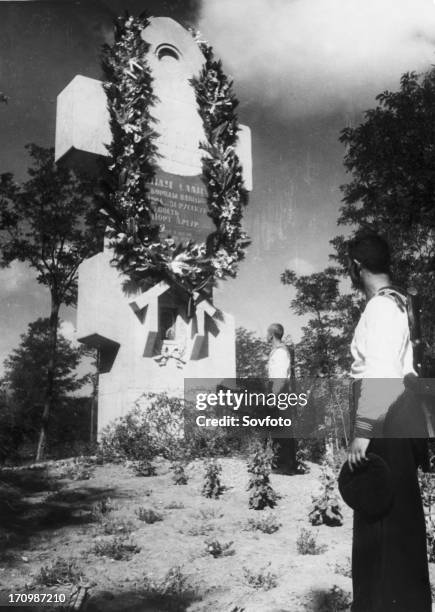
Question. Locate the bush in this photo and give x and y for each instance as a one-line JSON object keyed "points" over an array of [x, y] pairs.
{"points": [[335, 600], [219, 549], [153, 427], [101, 509], [62, 571], [143, 468], [212, 487], [174, 592], [148, 515], [117, 548], [427, 487], [307, 544], [200, 530], [262, 494], [266, 524], [179, 476], [260, 580], [326, 507], [174, 506], [344, 569], [113, 526]]}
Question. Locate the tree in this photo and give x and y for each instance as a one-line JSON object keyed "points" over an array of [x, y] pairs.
{"points": [[391, 160], [48, 222], [251, 354], [25, 375]]}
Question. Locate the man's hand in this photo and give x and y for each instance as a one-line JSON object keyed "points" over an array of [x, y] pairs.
{"points": [[357, 452]]}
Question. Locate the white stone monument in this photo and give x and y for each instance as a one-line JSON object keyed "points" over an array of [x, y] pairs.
{"points": [[147, 342]]}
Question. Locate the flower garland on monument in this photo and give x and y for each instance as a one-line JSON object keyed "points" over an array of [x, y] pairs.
{"points": [[140, 253]]}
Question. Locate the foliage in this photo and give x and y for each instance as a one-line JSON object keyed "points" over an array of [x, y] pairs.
{"points": [[326, 508], [334, 600], [260, 580], [390, 158], [62, 571], [139, 251], [344, 569], [306, 543], [114, 526], [174, 592], [179, 476], [174, 505], [302, 454], [144, 468], [153, 427], [212, 486], [200, 530], [251, 354], [101, 509], [219, 549], [25, 381], [265, 524], [49, 223], [148, 515], [261, 494], [117, 548]]}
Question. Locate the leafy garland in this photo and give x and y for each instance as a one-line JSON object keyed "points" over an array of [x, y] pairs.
{"points": [[139, 252]]}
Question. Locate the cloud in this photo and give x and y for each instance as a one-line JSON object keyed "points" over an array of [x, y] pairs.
{"points": [[320, 56], [15, 277], [301, 266]]}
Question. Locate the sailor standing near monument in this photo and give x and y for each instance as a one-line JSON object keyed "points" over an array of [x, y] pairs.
{"points": [[389, 562]]}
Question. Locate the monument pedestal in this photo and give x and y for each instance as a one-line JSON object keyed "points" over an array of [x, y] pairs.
{"points": [[146, 342]]}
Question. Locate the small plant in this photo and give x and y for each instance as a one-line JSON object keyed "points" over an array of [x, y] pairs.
{"points": [[101, 509], [344, 569], [179, 476], [262, 495], [117, 548], [62, 571], [307, 544], [265, 524], [200, 530], [174, 506], [148, 515], [301, 458], [212, 487], [219, 549], [335, 600], [143, 468], [174, 592], [207, 514], [260, 580], [326, 507], [113, 526]]}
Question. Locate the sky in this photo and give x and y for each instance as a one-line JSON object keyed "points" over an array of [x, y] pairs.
{"points": [[303, 70]]}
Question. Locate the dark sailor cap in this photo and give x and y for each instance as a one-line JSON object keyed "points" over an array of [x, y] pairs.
{"points": [[368, 489]]}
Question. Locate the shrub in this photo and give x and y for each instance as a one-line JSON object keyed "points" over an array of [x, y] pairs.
{"points": [[260, 580], [117, 548], [112, 526], [179, 476], [427, 487], [200, 530], [301, 458], [101, 509], [265, 524], [344, 569], [262, 494], [143, 468], [335, 600], [212, 487], [307, 543], [219, 549], [326, 508], [153, 427], [62, 571], [174, 592], [148, 515], [206, 514]]}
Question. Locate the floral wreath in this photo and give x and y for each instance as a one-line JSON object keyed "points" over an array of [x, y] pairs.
{"points": [[140, 253]]}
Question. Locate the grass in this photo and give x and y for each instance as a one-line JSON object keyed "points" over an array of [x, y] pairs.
{"points": [[200, 530], [261, 580], [307, 543], [113, 526], [117, 548], [266, 524], [148, 515], [62, 571], [174, 592]]}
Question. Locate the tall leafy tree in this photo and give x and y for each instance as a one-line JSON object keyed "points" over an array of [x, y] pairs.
{"points": [[48, 222], [391, 160]]}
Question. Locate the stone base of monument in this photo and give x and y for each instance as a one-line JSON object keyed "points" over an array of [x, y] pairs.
{"points": [[147, 342]]}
